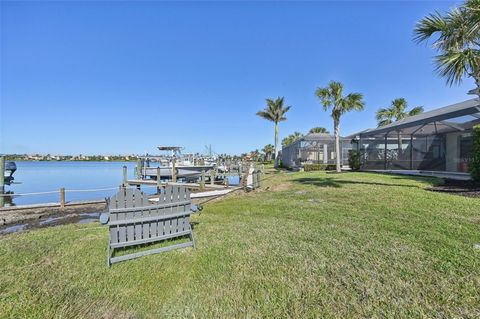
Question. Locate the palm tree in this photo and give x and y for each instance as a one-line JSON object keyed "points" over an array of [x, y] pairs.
{"points": [[291, 138], [396, 112], [319, 129], [255, 155], [268, 150], [275, 112], [457, 40], [332, 97]]}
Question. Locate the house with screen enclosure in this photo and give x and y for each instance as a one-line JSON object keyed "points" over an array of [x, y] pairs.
{"points": [[315, 148], [437, 142]]}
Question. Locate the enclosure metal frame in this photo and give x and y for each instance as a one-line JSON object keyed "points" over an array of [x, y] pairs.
{"points": [[433, 123], [314, 142]]}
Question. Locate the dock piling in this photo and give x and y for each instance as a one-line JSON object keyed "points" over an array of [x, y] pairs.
{"points": [[2, 180], [124, 182], [159, 180], [202, 180], [2, 175], [174, 170], [139, 169], [226, 181], [62, 197]]}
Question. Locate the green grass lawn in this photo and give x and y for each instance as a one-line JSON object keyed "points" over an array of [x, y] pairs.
{"points": [[306, 245]]}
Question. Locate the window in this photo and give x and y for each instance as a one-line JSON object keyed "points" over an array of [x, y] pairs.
{"points": [[466, 145]]}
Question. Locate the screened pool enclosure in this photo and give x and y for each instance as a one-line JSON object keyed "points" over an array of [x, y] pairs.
{"points": [[438, 140], [314, 148]]}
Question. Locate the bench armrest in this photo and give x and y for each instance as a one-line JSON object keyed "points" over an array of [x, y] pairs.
{"points": [[196, 208], [104, 218]]}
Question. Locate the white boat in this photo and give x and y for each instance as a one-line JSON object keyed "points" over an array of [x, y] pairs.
{"points": [[182, 171], [184, 165]]}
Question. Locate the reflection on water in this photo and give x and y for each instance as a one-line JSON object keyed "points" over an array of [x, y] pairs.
{"points": [[6, 201], [13, 229], [86, 215], [51, 219], [83, 218]]}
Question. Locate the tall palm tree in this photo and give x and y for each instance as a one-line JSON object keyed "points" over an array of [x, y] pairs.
{"points": [[268, 150], [456, 37], [332, 97], [275, 112], [396, 112], [319, 129]]}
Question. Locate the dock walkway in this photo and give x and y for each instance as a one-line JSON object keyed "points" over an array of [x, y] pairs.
{"points": [[136, 182]]}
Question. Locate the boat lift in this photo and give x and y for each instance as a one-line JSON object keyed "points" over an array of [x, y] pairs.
{"points": [[6, 172], [171, 170]]}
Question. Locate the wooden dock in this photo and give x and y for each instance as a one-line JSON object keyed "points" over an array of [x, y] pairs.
{"points": [[152, 182]]}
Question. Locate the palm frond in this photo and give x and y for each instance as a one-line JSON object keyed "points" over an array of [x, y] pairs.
{"points": [[385, 122], [324, 95], [285, 109], [336, 91], [319, 129], [354, 101], [332, 96], [456, 37], [275, 110], [399, 104], [265, 115], [463, 26], [398, 108], [383, 114], [415, 111], [428, 26], [396, 112], [454, 65], [291, 138], [268, 149]]}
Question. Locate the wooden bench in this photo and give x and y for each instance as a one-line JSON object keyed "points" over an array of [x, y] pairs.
{"points": [[132, 220]]}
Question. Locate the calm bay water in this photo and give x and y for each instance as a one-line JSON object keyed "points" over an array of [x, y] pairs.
{"points": [[32, 177]]}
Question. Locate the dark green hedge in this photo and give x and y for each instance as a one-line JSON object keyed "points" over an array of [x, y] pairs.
{"points": [[318, 167], [354, 160], [475, 164]]}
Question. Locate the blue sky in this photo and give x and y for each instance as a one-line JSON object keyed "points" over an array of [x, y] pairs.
{"points": [[124, 77]]}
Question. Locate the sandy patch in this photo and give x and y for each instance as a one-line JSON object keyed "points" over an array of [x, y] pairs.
{"points": [[281, 187]]}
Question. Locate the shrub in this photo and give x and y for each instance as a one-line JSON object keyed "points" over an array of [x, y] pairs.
{"points": [[475, 164], [354, 160], [319, 167]]}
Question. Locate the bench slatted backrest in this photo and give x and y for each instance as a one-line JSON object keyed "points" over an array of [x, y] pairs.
{"points": [[134, 220]]}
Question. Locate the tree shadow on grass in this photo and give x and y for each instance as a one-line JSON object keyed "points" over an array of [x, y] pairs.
{"points": [[417, 178], [423, 179], [337, 183]]}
